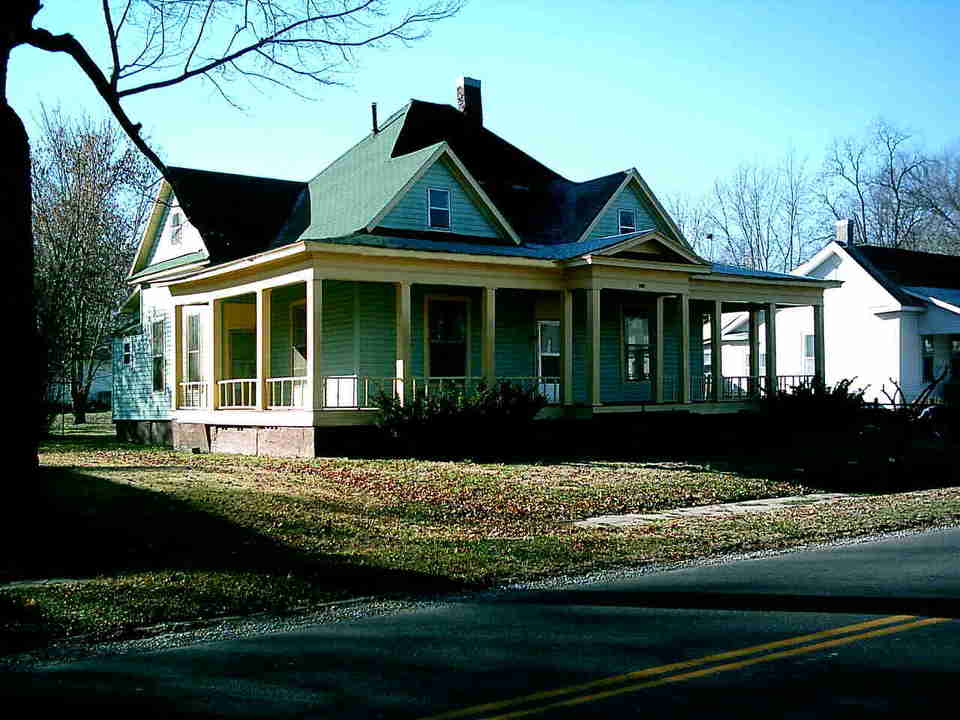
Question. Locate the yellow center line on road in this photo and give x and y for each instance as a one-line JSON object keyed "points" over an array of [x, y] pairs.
{"points": [[721, 668], [664, 669]]}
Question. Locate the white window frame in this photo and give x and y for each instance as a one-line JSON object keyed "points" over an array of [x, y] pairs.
{"points": [[189, 313], [448, 209], [629, 228], [293, 348], [651, 346], [550, 390], [808, 362], [160, 353], [176, 228]]}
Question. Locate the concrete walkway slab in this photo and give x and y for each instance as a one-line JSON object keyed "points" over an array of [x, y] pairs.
{"points": [[719, 510]]}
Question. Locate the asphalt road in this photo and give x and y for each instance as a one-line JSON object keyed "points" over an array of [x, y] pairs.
{"points": [[850, 631]]}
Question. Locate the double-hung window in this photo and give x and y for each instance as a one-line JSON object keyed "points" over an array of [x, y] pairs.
{"points": [[193, 371], [438, 208], [176, 229], [159, 347], [926, 357], [628, 221], [637, 351], [809, 355]]}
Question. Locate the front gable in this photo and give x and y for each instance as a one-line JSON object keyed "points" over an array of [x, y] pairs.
{"points": [[651, 246], [630, 201], [467, 214], [169, 240]]}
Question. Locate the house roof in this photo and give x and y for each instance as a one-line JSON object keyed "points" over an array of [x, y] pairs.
{"points": [[237, 215], [900, 270]]}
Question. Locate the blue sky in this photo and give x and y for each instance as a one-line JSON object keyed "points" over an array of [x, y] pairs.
{"points": [[683, 91]]}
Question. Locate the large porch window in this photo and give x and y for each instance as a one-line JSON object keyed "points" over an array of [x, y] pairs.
{"points": [[637, 348]]}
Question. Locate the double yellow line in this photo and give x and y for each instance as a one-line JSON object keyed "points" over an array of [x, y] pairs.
{"points": [[688, 669]]}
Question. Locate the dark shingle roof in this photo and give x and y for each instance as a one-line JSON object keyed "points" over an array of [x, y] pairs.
{"points": [[237, 215], [539, 203], [897, 269]]}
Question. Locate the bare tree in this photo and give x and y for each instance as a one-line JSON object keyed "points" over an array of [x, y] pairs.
{"points": [[937, 192], [762, 215], [90, 199], [692, 216], [155, 44], [874, 180]]}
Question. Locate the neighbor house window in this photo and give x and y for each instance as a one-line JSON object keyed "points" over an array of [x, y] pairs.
{"points": [[809, 355], [159, 369], [438, 208], [637, 351], [926, 357], [628, 221], [176, 229]]}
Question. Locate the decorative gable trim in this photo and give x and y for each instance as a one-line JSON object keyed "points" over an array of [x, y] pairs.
{"points": [[632, 176], [444, 151], [153, 229], [655, 236]]}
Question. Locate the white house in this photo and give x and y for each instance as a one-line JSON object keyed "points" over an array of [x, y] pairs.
{"points": [[895, 320]]}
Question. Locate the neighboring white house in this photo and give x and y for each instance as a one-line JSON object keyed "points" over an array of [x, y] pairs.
{"points": [[895, 319]]}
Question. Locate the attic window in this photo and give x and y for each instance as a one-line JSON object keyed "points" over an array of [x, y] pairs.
{"points": [[176, 229], [438, 208], [628, 222]]}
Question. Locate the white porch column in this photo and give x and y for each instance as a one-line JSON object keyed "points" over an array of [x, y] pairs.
{"points": [[211, 370], [593, 356], [263, 347], [684, 348], [566, 345], [402, 370], [177, 354], [771, 339], [489, 352], [658, 352], [819, 345], [716, 352], [314, 399], [754, 354]]}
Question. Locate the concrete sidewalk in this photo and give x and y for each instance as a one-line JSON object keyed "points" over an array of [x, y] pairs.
{"points": [[720, 510]]}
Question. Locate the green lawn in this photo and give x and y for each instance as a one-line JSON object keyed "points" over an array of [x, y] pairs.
{"points": [[157, 535]]}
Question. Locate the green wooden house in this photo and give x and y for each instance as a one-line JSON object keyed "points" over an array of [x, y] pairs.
{"points": [[431, 256]]}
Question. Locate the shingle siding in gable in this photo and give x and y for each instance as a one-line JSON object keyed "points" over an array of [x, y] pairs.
{"points": [[628, 199], [466, 217]]}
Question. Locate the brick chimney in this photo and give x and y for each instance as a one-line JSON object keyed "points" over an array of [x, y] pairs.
{"points": [[469, 100], [846, 231]]}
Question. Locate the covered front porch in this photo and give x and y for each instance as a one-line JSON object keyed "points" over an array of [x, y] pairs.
{"points": [[301, 349]]}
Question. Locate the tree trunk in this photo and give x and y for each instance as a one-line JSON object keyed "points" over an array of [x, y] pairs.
{"points": [[20, 365], [79, 398]]}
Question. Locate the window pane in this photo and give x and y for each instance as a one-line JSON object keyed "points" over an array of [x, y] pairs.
{"points": [[808, 345], [193, 332], [627, 221], [550, 366], [927, 344], [636, 330], [439, 218], [549, 338]]}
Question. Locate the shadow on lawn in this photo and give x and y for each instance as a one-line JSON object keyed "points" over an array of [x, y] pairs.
{"points": [[73, 525]]}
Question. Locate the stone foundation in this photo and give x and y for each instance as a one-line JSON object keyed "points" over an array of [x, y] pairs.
{"points": [[303, 442], [191, 436], [145, 432]]}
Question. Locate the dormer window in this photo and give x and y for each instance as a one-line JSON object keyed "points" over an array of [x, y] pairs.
{"points": [[176, 229], [628, 222], [438, 209]]}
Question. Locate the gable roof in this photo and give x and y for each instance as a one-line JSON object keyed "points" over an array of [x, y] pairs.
{"points": [[908, 268], [237, 215]]}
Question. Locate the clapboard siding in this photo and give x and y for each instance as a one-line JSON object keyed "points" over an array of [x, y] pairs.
{"points": [[377, 334], [466, 216], [281, 342], [628, 199], [516, 331], [133, 395], [339, 314], [613, 387]]}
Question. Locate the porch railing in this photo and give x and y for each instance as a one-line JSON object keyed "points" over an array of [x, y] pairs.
{"points": [[444, 386], [788, 383], [734, 388], [547, 386], [238, 394], [193, 395], [287, 392]]}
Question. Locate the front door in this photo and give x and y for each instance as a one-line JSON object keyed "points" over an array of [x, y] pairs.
{"points": [[447, 338]]}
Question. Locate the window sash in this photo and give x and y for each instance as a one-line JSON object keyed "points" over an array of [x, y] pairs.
{"points": [[638, 350], [159, 347], [627, 221], [438, 208], [193, 370]]}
